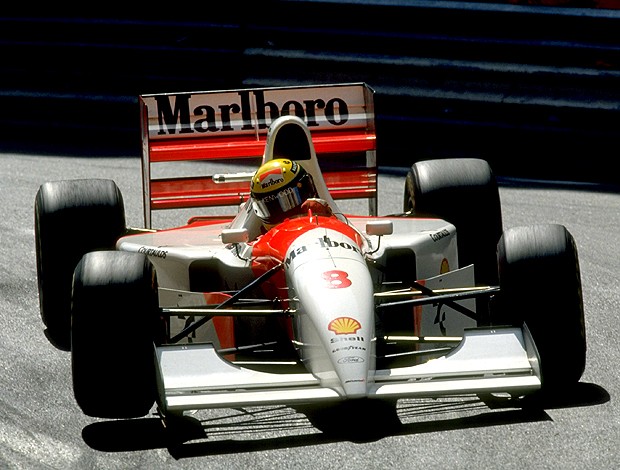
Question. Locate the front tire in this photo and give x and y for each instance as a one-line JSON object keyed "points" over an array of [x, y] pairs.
{"points": [[116, 319], [72, 217], [464, 192], [540, 284]]}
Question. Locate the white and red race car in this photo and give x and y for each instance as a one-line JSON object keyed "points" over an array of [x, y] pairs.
{"points": [[436, 300]]}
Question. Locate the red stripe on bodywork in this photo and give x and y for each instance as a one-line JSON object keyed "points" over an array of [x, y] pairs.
{"points": [[224, 326], [168, 150], [202, 191]]}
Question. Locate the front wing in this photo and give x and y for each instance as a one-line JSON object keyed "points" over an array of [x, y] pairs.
{"points": [[487, 360]]}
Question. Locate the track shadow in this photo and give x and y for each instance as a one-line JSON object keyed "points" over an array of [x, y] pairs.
{"points": [[578, 395], [240, 430]]}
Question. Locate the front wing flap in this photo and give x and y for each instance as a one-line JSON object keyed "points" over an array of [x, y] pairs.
{"points": [[194, 376]]}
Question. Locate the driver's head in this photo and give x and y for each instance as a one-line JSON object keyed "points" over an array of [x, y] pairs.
{"points": [[278, 190]]}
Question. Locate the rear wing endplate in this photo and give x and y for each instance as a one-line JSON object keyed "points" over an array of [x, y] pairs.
{"points": [[233, 125]]}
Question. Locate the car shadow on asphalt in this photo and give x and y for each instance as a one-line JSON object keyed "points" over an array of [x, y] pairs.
{"points": [[240, 430]]}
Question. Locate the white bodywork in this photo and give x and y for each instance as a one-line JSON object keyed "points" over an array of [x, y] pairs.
{"points": [[335, 324]]}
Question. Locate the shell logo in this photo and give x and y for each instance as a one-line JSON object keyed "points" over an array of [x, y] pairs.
{"points": [[344, 325]]}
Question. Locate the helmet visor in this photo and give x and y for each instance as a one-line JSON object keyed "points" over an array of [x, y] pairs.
{"points": [[274, 208]]}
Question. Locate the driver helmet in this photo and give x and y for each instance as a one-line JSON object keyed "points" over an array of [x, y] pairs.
{"points": [[279, 188]]}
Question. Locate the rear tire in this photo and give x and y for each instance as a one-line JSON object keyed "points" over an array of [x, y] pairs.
{"points": [[540, 284], [72, 218], [464, 192], [115, 321]]}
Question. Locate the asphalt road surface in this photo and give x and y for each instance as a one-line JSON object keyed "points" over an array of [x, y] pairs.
{"points": [[41, 427]]}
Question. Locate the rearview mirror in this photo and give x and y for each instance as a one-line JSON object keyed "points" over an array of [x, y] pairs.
{"points": [[235, 235], [379, 227]]}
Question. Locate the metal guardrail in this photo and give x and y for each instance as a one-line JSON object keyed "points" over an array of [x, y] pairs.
{"points": [[531, 89]]}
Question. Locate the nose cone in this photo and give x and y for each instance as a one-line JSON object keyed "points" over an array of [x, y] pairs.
{"points": [[350, 348], [335, 320], [356, 388]]}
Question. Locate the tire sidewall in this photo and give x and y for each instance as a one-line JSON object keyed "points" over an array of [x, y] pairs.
{"points": [[540, 285], [115, 316], [72, 217]]}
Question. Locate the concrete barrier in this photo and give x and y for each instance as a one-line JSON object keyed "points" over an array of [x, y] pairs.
{"points": [[531, 89]]}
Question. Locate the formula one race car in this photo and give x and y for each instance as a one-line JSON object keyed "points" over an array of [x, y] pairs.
{"points": [[321, 306]]}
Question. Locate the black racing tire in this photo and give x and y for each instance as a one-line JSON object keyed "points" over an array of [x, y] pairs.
{"points": [[540, 285], [464, 192], [71, 218], [115, 319]]}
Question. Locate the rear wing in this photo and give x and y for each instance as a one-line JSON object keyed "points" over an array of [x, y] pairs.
{"points": [[232, 126]]}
